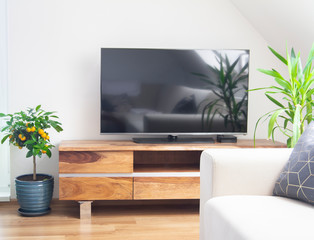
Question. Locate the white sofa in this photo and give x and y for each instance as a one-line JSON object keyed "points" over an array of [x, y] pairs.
{"points": [[236, 197]]}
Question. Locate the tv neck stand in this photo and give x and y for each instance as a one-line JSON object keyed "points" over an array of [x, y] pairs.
{"points": [[173, 139]]}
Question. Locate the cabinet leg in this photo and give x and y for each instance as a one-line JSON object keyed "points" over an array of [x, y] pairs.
{"points": [[85, 209]]}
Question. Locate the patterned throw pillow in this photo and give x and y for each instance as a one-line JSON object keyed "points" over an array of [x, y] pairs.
{"points": [[297, 178]]}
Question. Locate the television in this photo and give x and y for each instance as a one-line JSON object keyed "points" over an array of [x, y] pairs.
{"points": [[174, 92]]}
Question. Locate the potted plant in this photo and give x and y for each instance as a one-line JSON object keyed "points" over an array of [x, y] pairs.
{"points": [[28, 129], [295, 106]]}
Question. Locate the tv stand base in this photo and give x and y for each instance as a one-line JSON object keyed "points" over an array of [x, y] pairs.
{"points": [[173, 139]]}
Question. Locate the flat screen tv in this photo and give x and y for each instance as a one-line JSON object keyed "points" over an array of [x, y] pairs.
{"points": [[150, 92]]}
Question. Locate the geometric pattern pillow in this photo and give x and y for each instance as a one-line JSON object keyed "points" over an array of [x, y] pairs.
{"points": [[297, 177]]}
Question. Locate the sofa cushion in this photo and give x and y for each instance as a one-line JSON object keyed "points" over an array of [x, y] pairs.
{"points": [[297, 177], [257, 218]]}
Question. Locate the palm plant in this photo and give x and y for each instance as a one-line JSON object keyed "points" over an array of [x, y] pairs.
{"points": [[296, 105], [226, 105]]}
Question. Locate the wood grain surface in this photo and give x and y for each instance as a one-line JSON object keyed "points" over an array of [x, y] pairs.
{"points": [[97, 156], [115, 222], [166, 187], [103, 145], [95, 188], [95, 162]]}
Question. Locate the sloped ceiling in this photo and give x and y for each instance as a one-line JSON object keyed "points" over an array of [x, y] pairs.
{"points": [[281, 21]]}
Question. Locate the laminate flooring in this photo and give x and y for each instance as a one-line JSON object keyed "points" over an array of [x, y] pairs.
{"points": [[115, 221]]}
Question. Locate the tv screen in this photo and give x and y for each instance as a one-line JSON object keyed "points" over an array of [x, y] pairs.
{"points": [[166, 91]]}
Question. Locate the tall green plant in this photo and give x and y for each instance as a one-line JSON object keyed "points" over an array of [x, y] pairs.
{"points": [[227, 106], [295, 105]]}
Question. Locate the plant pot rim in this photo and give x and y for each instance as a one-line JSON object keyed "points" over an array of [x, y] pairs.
{"points": [[50, 177]]}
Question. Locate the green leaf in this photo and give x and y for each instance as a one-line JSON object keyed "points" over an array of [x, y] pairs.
{"points": [[256, 125], [296, 126], [284, 83], [29, 142], [289, 64], [292, 53], [5, 128], [274, 101], [272, 73], [311, 54], [285, 123], [231, 68], [29, 154], [221, 74], [48, 113], [256, 89], [37, 108], [5, 138], [281, 58], [273, 120], [308, 84], [199, 74], [35, 151], [58, 128], [307, 69], [243, 69], [2, 115], [289, 142], [48, 152]]}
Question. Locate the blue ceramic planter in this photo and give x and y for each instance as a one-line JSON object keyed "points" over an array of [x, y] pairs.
{"points": [[34, 197]]}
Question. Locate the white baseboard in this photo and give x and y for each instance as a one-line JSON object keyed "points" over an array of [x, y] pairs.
{"points": [[4, 194]]}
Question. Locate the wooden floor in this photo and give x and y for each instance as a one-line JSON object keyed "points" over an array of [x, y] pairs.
{"points": [[176, 221]]}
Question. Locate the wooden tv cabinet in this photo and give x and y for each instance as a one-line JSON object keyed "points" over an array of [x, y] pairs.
{"points": [[124, 170]]}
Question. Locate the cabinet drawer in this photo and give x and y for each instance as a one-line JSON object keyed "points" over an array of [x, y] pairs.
{"points": [[95, 188], [95, 162], [166, 188]]}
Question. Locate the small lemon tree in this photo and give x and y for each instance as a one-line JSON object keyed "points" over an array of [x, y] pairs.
{"points": [[28, 130]]}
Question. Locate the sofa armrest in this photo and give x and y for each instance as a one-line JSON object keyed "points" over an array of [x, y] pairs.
{"points": [[242, 171], [245, 171]]}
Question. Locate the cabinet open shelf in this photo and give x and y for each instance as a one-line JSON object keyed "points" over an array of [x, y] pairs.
{"points": [[166, 161]]}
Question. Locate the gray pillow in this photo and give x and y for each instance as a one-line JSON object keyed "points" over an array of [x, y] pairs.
{"points": [[297, 177]]}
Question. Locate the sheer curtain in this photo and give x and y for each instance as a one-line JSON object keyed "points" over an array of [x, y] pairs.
{"points": [[4, 148]]}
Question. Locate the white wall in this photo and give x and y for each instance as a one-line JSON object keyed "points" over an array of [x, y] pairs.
{"points": [[54, 55], [292, 21], [4, 149]]}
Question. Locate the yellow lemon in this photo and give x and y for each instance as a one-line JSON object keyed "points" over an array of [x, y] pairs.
{"points": [[20, 136], [43, 135], [33, 129], [47, 137], [40, 131], [43, 151], [28, 129]]}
